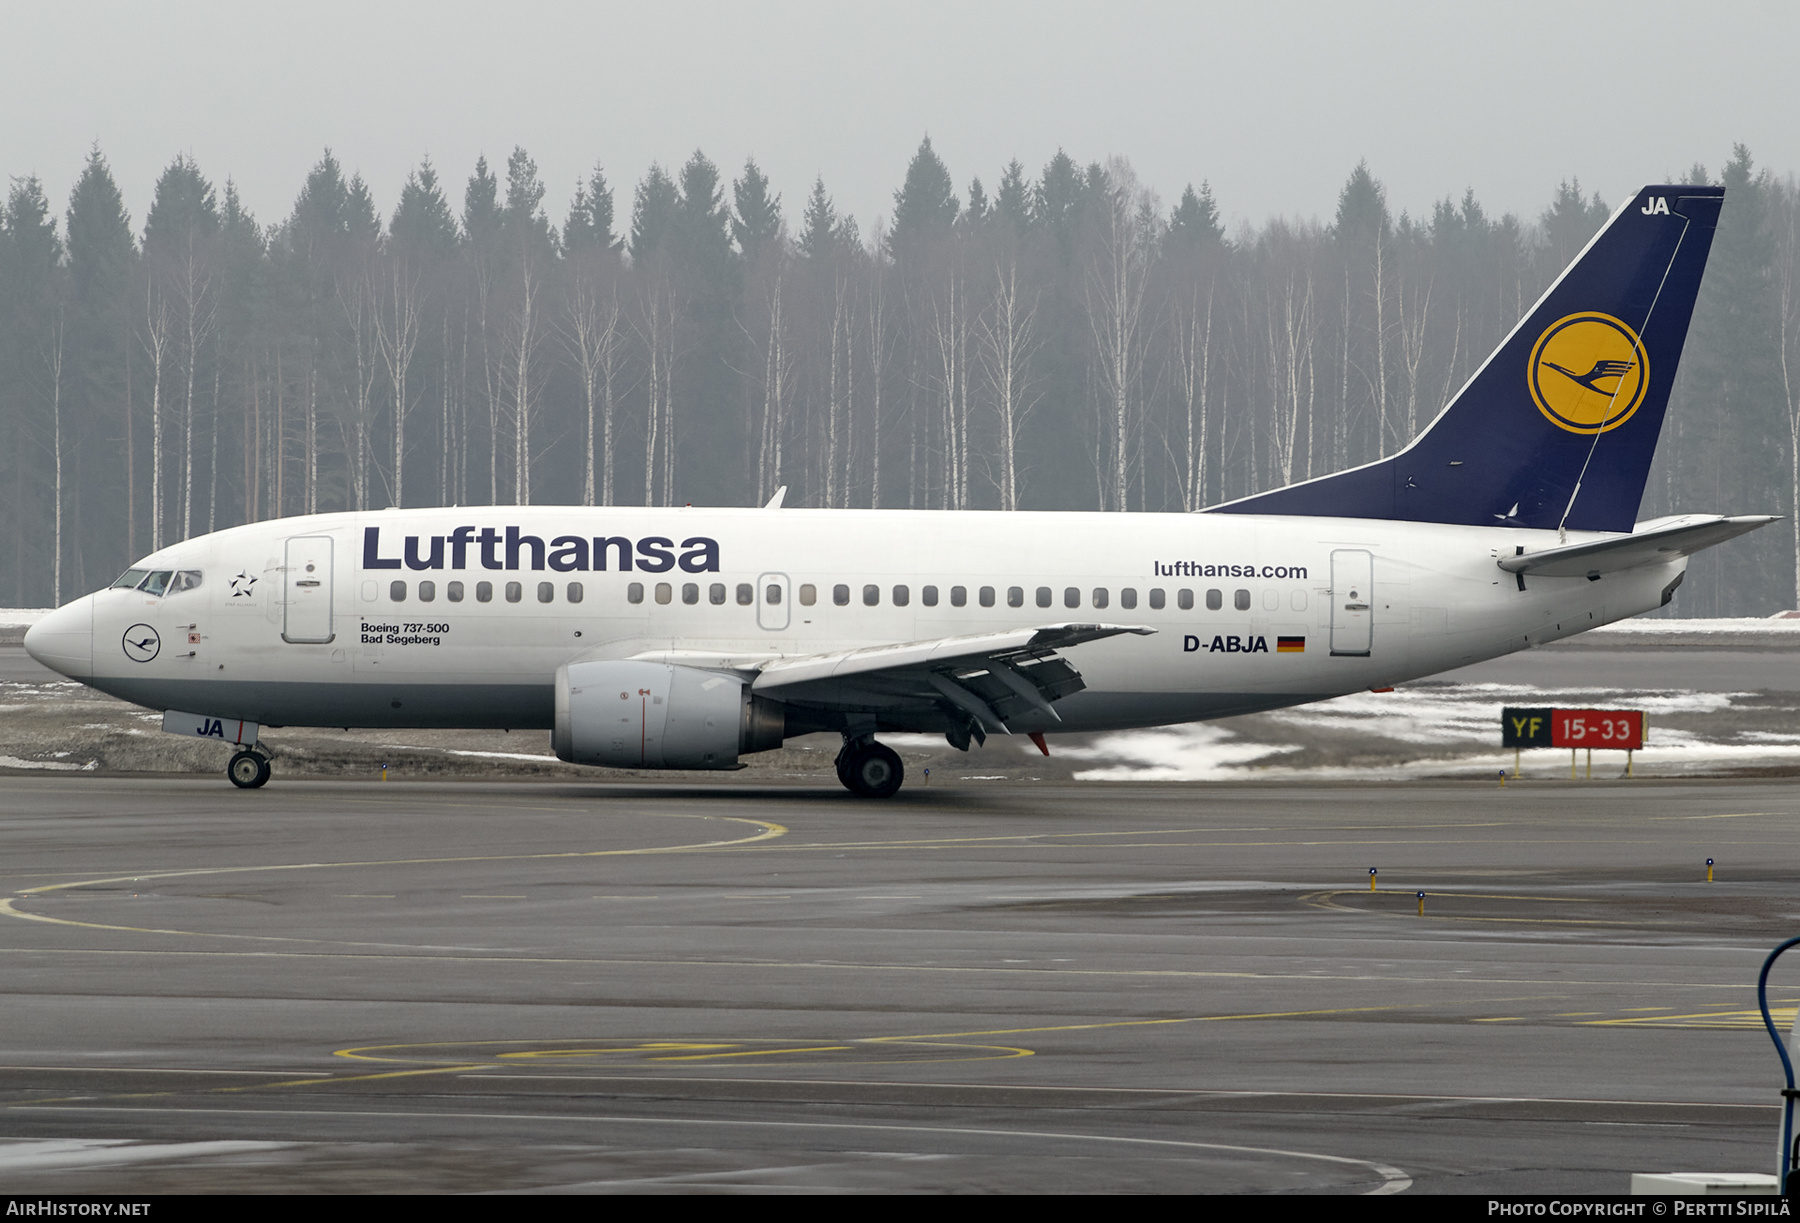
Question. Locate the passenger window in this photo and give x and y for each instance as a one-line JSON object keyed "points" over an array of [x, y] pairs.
{"points": [[1043, 596], [928, 596], [987, 596], [1015, 596], [484, 592], [1298, 600], [959, 596], [1072, 596], [1158, 600], [1128, 598], [715, 594], [1184, 599], [665, 593], [546, 591], [397, 591], [1241, 600], [871, 595], [690, 593], [809, 594], [1099, 596], [634, 593], [454, 591], [514, 592], [427, 591], [575, 592], [1271, 600], [1215, 599], [772, 595], [186, 579], [158, 582], [902, 596], [840, 594], [746, 594], [129, 579]]}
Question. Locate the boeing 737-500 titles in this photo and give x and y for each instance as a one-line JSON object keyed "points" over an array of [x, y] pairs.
{"points": [[686, 638]]}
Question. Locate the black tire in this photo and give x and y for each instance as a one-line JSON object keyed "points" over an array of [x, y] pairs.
{"points": [[247, 770], [262, 772], [873, 770]]}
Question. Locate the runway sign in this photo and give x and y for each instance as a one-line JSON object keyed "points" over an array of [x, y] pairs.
{"points": [[1622, 729]]}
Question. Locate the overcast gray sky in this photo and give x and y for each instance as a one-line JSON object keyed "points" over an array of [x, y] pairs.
{"points": [[1274, 103]]}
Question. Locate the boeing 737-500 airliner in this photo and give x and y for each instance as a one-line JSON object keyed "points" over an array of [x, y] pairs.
{"points": [[685, 638]]}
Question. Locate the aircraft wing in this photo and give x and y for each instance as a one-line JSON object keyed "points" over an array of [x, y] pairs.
{"points": [[1651, 544], [990, 677]]}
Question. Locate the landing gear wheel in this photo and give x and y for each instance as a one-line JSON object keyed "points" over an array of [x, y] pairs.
{"points": [[248, 770], [871, 770]]}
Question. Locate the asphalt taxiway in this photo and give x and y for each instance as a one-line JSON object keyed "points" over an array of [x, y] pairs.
{"points": [[481, 986]]}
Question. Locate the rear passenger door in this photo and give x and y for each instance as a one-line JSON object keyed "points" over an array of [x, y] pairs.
{"points": [[1352, 601]]}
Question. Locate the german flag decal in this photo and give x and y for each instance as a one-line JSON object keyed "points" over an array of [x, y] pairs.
{"points": [[1290, 645]]}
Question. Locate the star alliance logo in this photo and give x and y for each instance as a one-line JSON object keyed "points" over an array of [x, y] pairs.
{"points": [[243, 586]]}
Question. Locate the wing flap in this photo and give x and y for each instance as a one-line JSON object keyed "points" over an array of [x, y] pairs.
{"points": [[1652, 544], [941, 654]]}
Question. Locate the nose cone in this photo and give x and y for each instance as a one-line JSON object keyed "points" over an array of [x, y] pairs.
{"points": [[64, 640]]}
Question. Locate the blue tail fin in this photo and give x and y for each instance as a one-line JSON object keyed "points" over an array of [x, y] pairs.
{"points": [[1558, 426]]}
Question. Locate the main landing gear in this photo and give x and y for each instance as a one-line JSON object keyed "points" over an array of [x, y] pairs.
{"points": [[869, 769], [248, 770]]}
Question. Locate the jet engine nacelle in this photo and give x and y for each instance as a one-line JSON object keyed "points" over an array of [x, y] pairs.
{"points": [[651, 715]]}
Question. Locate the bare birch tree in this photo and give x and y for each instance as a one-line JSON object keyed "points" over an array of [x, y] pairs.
{"points": [[155, 337], [1117, 279], [1007, 340], [397, 322], [593, 332]]}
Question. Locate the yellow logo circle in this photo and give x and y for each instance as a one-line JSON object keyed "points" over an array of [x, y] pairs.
{"points": [[1588, 373]]}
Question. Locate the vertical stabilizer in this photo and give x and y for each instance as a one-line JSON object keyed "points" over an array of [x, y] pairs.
{"points": [[1557, 428]]}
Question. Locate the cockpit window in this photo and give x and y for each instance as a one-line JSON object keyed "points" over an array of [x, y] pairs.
{"points": [[157, 583], [185, 579], [129, 579]]}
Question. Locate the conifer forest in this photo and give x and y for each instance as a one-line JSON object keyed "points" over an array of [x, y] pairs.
{"points": [[1062, 338]]}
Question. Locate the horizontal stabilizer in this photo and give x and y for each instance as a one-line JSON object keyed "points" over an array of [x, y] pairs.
{"points": [[1653, 543], [942, 652]]}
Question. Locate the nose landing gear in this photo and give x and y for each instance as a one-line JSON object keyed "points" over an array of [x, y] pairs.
{"points": [[869, 769], [248, 770]]}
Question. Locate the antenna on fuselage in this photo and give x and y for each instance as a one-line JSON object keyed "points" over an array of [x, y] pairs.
{"points": [[775, 501]]}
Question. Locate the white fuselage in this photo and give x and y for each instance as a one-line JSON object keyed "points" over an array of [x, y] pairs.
{"points": [[393, 633]]}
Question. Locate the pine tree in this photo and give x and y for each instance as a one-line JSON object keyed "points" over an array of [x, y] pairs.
{"points": [[590, 224], [653, 212], [1012, 202], [1568, 224], [1058, 199], [102, 258], [1195, 222], [33, 348], [924, 207], [978, 211], [522, 216], [819, 226], [423, 227], [481, 219], [758, 217]]}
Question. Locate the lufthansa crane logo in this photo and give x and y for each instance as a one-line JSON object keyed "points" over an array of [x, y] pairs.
{"points": [[1588, 373], [141, 643]]}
